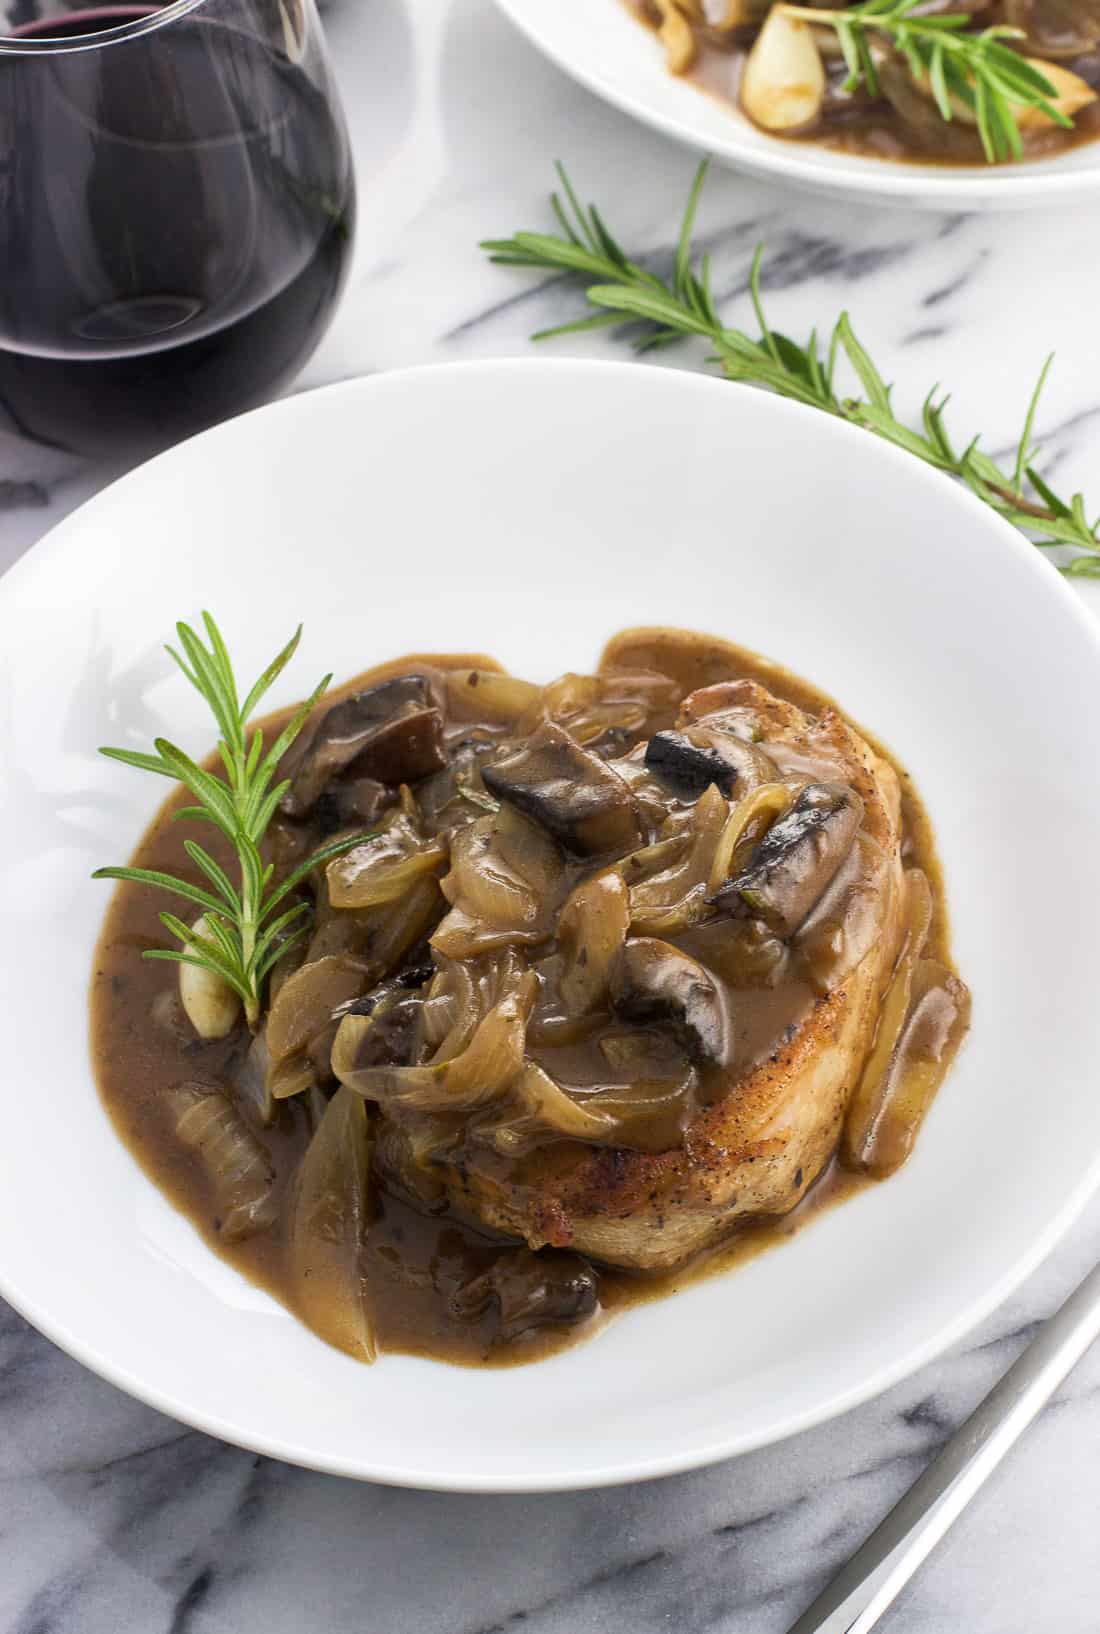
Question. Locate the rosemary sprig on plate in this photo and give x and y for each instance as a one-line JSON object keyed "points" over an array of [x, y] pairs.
{"points": [[974, 73], [625, 292], [242, 936]]}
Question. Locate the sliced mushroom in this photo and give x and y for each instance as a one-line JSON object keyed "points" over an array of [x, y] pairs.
{"points": [[692, 761], [530, 1291], [456, 795], [209, 1003], [573, 794], [350, 802], [708, 752], [236, 1165], [796, 859], [783, 82], [394, 1036], [654, 982], [392, 733], [1055, 28], [675, 34]]}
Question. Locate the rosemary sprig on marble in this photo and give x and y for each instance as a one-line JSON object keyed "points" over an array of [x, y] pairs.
{"points": [[235, 937], [975, 75], [625, 292]]}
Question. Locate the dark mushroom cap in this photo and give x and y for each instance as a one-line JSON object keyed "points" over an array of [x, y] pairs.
{"points": [[570, 792], [796, 859], [391, 732], [657, 983]]}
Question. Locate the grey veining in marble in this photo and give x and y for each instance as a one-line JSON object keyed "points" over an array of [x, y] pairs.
{"points": [[114, 1520]]}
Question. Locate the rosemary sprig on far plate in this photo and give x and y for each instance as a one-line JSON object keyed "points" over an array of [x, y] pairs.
{"points": [[975, 74], [242, 936], [626, 292]]}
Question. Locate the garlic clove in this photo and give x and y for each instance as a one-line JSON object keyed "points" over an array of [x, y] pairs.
{"points": [[783, 83], [210, 1004], [1072, 94]]}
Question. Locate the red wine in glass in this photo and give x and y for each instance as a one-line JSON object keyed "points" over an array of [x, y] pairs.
{"points": [[178, 206]]}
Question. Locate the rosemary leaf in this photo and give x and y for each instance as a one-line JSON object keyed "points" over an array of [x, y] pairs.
{"points": [[625, 292]]}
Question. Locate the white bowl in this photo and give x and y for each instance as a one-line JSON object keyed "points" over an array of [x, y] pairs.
{"points": [[600, 44], [530, 509]]}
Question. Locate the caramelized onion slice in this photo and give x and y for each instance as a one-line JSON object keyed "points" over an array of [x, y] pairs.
{"points": [[488, 695], [236, 1164], [293, 1076], [675, 34], [647, 1114], [614, 706], [252, 1083], [480, 1073], [400, 926], [676, 897], [848, 919], [546, 1110], [592, 928], [306, 1001], [328, 1222], [866, 1106], [939, 1014], [746, 825], [504, 873], [383, 868]]}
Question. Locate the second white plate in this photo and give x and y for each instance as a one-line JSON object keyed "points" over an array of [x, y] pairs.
{"points": [[600, 44]]}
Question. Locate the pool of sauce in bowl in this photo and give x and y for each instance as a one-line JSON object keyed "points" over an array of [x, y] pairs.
{"points": [[413, 1258]]}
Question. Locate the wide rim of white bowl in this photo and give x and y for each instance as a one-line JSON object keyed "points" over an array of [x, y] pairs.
{"points": [[65, 538]]}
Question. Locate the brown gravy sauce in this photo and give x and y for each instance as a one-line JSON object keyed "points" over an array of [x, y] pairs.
{"points": [[412, 1260], [869, 127]]}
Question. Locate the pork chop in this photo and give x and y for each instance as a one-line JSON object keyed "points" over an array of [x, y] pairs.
{"points": [[757, 1148]]}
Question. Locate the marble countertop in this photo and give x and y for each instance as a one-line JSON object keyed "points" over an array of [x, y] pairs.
{"points": [[115, 1520]]}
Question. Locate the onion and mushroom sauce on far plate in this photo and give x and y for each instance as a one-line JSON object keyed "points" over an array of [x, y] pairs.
{"points": [[888, 92]]}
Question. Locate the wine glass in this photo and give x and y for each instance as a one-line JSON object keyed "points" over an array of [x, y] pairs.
{"points": [[178, 204]]}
